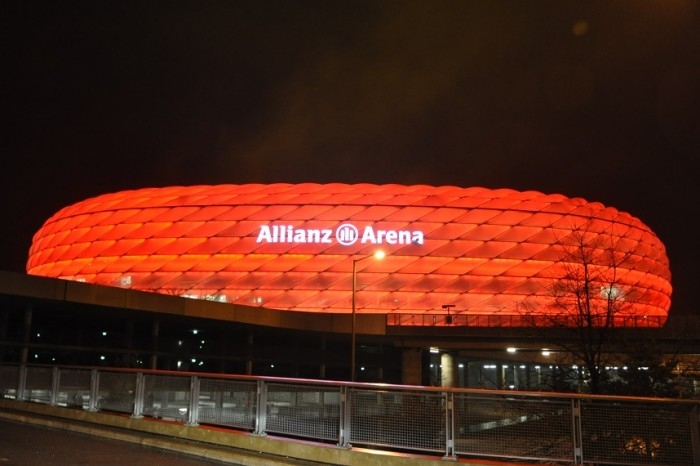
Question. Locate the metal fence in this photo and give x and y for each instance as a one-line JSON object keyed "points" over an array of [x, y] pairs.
{"points": [[489, 319], [450, 422]]}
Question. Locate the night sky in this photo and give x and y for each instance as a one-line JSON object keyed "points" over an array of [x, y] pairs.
{"points": [[599, 100]]}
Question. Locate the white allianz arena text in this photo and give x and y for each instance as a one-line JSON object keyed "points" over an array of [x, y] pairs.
{"points": [[289, 234]]}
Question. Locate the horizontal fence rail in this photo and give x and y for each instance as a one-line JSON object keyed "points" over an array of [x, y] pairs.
{"points": [[451, 422], [516, 320]]}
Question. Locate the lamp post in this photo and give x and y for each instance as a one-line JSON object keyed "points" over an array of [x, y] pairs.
{"points": [[377, 255], [448, 319]]}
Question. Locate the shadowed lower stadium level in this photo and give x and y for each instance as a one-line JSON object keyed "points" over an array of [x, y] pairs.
{"points": [[52, 321]]}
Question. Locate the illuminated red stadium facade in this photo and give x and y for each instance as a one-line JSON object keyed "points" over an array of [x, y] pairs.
{"points": [[293, 247]]}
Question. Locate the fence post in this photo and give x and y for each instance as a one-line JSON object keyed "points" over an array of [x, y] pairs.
{"points": [[55, 385], [576, 431], [449, 427], [193, 414], [139, 394], [93, 406], [344, 418], [21, 382], [261, 412]]}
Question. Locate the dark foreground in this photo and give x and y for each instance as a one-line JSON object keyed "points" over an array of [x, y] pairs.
{"points": [[29, 445]]}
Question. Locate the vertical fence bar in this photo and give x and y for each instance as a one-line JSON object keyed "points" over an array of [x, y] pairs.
{"points": [[261, 413], [193, 411], [55, 386], [139, 395], [576, 431], [344, 418], [22, 382], [93, 406], [448, 411]]}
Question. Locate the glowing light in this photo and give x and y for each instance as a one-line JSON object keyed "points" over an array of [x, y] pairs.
{"points": [[502, 242]]}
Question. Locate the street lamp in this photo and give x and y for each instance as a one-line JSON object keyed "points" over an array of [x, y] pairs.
{"points": [[377, 255]]}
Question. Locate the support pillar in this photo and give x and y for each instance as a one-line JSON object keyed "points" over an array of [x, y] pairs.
{"points": [[155, 335], [4, 319], [129, 356], [324, 356], [448, 370], [26, 335], [249, 354], [411, 366]]}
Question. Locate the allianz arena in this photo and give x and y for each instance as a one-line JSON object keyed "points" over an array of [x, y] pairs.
{"points": [[308, 247]]}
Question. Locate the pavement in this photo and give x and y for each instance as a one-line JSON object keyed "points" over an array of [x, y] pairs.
{"points": [[33, 434], [29, 439], [24, 444]]}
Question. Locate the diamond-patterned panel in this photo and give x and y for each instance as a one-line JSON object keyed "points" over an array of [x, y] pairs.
{"points": [[292, 246]]}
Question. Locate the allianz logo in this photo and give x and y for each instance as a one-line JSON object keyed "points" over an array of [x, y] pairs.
{"points": [[346, 234]]}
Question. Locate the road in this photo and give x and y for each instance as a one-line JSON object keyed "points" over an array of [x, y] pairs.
{"points": [[31, 445]]}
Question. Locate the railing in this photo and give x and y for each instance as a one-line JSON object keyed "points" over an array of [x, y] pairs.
{"points": [[513, 320], [451, 422]]}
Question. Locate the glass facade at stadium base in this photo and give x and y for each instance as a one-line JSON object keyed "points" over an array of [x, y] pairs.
{"points": [[505, 374], [77, 335], [80, 337], [195, 345]]}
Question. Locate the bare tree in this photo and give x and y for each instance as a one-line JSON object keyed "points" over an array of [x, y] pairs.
{"points": [[586, 298], [648, 371]]}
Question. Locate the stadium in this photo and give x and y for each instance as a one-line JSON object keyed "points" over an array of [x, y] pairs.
{"points": [[474, 287], [298, 248]]}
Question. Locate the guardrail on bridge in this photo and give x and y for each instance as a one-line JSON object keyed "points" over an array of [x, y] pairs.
{"points": [[451, 422]]}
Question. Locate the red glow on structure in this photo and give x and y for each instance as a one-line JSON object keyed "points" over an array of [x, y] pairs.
{"points": [[483, 251]]}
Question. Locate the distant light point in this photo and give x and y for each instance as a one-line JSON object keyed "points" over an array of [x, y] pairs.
{"points": [[580, 28]]}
